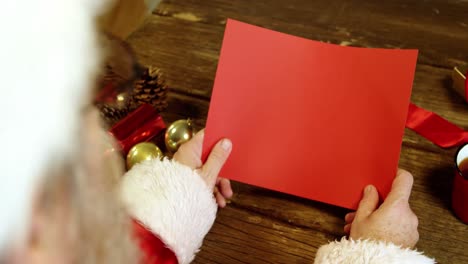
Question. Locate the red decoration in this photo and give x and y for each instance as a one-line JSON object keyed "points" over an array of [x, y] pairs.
{"points": [[107, 94], [434, 128], [141, 125]]}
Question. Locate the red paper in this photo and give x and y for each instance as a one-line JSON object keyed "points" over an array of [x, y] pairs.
{"points": [[311, 119]]}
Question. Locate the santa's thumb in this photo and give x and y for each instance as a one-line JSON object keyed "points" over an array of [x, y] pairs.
{"points": [[368, 204], [215, 162]]}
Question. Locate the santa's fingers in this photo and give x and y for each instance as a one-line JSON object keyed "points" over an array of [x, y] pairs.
{"points": [[349, 217], [220, 199], [347, 229], [224, 187]]}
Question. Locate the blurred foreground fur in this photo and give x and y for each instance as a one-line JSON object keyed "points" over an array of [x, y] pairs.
{"points": [[50, 58], [80, 198]]}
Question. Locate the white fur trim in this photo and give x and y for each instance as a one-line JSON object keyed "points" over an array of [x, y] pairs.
{"points": [[173, 202], [370, 252]]}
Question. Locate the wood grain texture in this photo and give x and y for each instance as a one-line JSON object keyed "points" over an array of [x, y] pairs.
{"points": [[261, 226]]}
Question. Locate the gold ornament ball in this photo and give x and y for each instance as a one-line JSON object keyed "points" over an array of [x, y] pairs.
{"points": [[121, 100], [178, 132], [141, 152]]}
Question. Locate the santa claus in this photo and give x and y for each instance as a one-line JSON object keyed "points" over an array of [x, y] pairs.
{"points": [[63, 201]]}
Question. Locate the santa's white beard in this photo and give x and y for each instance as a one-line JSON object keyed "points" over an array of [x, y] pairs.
{"points": [[48, 57]]}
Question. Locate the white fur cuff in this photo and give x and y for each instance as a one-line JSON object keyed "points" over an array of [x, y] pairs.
{"points": [[173, 202], [370, 252]]}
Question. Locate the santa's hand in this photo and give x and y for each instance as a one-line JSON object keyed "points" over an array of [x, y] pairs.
{"points": [[393, 221], [189, 154]]}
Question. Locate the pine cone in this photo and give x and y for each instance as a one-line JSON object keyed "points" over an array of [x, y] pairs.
{"points": [[111, 114], [124, 84], [151, 89]]}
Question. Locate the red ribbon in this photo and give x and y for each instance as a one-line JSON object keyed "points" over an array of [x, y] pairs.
{"points": [[434, 128]]}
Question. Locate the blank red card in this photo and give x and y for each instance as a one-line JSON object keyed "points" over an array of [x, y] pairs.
{"points": [[311, 119]]}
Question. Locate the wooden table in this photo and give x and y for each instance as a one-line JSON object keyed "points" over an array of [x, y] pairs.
{"points": [[183, 38]]}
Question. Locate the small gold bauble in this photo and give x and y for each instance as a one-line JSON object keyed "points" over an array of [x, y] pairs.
{"points": [[141, 152], [178, 132], [121, 100]]}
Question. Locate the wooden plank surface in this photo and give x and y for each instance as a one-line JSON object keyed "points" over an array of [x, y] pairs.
{"points": [[183, 38]]}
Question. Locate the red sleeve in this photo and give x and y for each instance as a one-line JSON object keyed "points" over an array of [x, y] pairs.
{"points": [[154, 250]]}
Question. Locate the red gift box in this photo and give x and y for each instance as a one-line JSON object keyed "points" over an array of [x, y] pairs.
{"points": [[141, 125]]}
